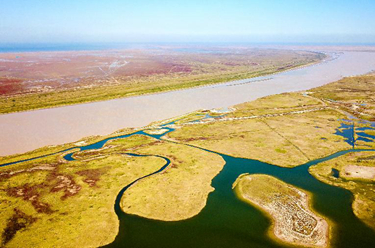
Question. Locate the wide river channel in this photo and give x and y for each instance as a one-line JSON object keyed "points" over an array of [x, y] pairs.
{"points": [[25, 131], [226, 221]]}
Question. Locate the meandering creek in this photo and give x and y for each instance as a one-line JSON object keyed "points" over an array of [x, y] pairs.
{"points": [[226, 221]]}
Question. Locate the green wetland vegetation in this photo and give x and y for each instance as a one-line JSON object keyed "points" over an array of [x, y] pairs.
{"points": [[184, 178]]}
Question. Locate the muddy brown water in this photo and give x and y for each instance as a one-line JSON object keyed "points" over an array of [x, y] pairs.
{"points": [[25, 131]]}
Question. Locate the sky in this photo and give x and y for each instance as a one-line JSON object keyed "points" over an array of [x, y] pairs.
{"points": [[290, 21]]}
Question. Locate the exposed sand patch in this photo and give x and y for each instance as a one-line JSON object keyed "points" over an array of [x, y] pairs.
{"points": [[156, 131], [80, 143], [356, 171]]}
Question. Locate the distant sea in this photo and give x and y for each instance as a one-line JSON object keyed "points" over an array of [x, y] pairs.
{"points": [[45, 47], [49, 47]]}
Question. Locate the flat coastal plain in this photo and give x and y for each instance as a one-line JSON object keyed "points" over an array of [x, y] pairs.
{"points": [[287, 126], [26, 131]]}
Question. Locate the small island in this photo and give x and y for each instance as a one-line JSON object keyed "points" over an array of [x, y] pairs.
{"points": [[289, 208], [187, 124], [75, 185]]}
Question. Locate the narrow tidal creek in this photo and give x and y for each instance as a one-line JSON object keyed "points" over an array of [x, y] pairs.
{"points": [[226, 221]]}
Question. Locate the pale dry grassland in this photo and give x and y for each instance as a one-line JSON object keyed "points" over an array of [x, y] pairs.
{"points": [[50, 202], [287, 129], [284, 140], [181, 191], [53, 203], [362, 188], [275, 104], [354, 95]]}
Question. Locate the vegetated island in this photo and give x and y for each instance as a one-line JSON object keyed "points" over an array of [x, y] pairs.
{"points": [[181, 191], [289, 208], [36, 80], [77, 197]]}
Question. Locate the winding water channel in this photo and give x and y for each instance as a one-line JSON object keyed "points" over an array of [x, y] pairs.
{"points": [[228, 222], [225, 221]]}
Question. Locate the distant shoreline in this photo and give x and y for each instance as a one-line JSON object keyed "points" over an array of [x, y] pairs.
{"points": [[87, 119], [59, 47]]}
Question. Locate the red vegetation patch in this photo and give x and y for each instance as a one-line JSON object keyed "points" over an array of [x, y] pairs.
{"points": [[173, 165], [42, 167], [149, 67], [31, 194], [64, 183], [284, 67], [4, 175], [18, 221], [143, 145], [92, 176], [9, 86], [36, 72], [174, 160], [231, 64], [181, 69], [194, 139]]}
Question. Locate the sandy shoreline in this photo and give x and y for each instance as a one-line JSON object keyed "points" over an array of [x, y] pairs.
{"points": [[290, 209], [25, 131]]}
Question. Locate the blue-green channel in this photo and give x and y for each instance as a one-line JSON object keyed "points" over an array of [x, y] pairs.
{"points": [[226, 221]]}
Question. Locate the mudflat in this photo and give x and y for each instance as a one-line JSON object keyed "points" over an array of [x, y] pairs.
{"points": [[49, 79], [25, 131]]}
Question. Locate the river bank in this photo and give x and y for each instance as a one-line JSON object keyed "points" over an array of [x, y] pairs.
{"points": [[26, 131], [186, 186]]}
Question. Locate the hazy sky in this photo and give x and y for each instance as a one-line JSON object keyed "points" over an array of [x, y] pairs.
{"points": [[187, 20]]}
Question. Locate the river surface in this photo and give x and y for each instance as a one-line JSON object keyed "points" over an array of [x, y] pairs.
{"points": [[226, 221], [25, 131]]}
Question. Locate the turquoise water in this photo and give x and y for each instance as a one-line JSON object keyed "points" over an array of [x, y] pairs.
{"points": [[335, 173], [226, 221], [348, 131]]}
